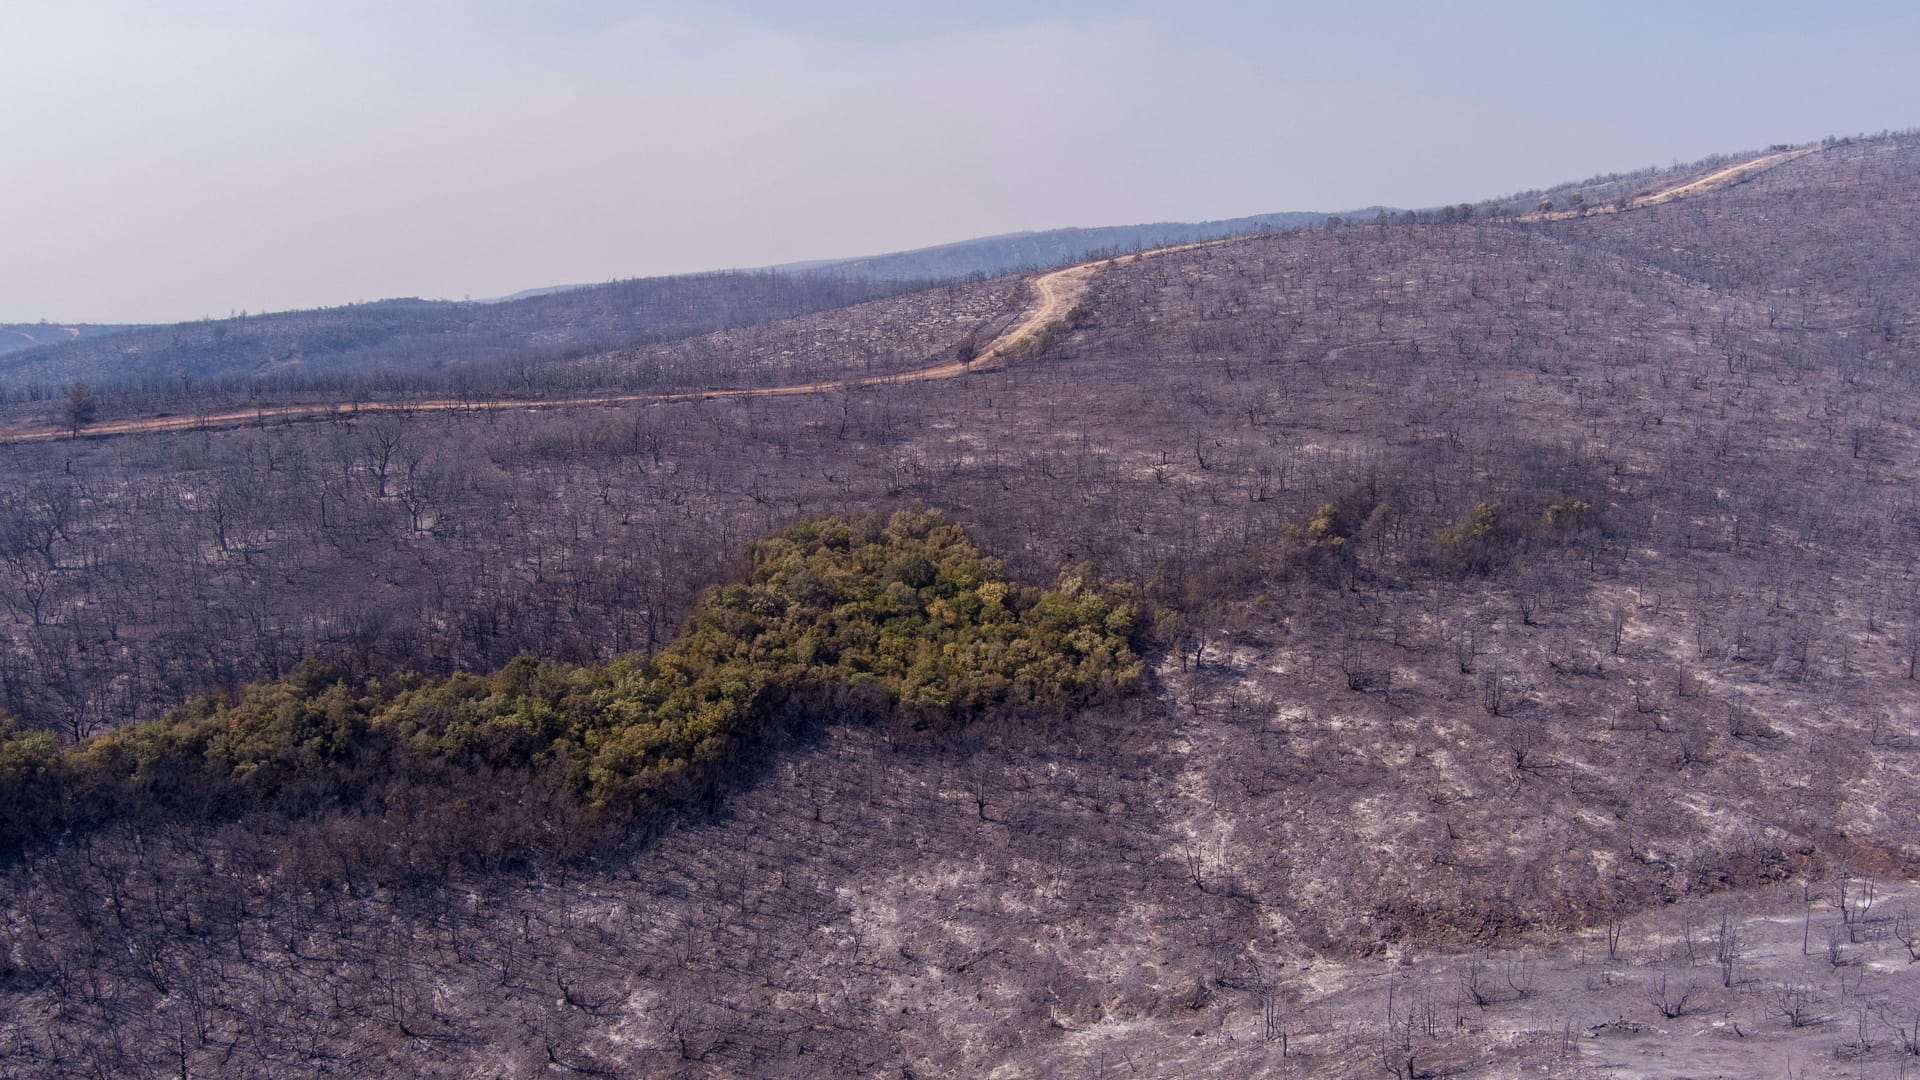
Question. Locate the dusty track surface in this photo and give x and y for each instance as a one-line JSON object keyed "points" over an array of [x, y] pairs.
{"points": [[1055, 294], [1713, 181]]}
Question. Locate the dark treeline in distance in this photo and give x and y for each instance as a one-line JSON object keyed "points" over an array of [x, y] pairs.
{"points": [[364, 345]]}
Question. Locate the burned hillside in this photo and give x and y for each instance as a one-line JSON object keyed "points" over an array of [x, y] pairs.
{"points": [[1505, 577]]}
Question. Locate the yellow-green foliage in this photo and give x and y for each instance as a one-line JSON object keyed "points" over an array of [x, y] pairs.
{"points": [[1565, 514], [879, 618], [1490, 536], [1478, 542], [25, 756], [1327, 528], [1478, 525], [1328, 542]]}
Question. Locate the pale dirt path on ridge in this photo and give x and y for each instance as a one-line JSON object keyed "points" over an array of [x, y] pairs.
{"points": [[1722, 178], [1709, 182], [1057, 291]]}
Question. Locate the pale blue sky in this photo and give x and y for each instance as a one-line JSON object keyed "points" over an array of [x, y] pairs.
{"points": [[169, 160]]}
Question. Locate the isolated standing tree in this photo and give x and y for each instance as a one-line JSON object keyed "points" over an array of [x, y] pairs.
{"points": [[80, 408]]}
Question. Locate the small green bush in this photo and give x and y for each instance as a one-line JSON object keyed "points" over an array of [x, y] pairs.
{"points": [[1490, 537]]}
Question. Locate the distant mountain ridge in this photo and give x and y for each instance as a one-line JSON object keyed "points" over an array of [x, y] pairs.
{"points": [[408, 336], [991, 256], [1043, 249], [17, 336]]}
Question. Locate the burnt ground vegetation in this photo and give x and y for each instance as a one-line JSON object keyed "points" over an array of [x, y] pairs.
{"points": [[1508, 578], [396, 344]]}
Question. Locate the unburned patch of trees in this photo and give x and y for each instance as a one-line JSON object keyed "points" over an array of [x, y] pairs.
{"points": [[897, 620]]}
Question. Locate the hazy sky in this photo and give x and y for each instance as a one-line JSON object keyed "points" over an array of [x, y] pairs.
{"points": [[167, 159]]}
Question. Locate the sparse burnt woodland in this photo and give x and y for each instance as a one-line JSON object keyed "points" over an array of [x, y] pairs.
{"points": [[1505, 577], [873, 338], [393, 346]]}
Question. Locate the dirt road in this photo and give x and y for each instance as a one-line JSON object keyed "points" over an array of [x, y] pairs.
{"points": [[1055, 294], [1713, 180]]}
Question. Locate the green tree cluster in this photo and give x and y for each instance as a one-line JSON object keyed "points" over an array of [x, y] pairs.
{"points": [[896, 619]]}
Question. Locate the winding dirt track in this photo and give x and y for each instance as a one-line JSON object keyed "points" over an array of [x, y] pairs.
{"points": [[1055, 294], [1712, 181]]}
